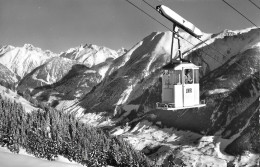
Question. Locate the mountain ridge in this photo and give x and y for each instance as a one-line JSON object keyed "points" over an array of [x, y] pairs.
{"points": [[22, 60]]}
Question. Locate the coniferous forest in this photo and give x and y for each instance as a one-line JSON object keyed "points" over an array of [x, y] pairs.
{"points": [[48, 133]]}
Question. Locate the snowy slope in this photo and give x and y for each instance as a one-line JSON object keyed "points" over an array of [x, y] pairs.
{"points": [[7, 77], [9, 159], [172, 146], [48, 73], [223, 47], [22, 60], [13, 96]]}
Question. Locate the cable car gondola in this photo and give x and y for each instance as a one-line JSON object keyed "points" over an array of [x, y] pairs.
{"points": [[180, 86], [180, 79]]}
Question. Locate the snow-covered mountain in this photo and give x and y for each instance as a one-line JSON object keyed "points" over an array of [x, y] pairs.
{"points": [[22, 60], [67, 75], [91, 55]]}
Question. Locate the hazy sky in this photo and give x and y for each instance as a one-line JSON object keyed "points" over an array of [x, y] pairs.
{"points": [[58, 25]]}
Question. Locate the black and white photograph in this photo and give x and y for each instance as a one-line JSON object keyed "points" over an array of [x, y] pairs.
{"points": [[130, 83]]}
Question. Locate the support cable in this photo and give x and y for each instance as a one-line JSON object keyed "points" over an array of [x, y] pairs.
{"points": [[240, 13], [254, 4]]}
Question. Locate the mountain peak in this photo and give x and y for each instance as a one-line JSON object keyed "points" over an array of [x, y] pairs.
{"points": [[27, 45], [121, 51], [95, 47], [30, 47]]}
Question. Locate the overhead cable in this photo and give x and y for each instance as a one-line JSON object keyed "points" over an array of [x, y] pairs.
{"points": [[246, 19], [240, 13], [148, 15], [254, 4]]}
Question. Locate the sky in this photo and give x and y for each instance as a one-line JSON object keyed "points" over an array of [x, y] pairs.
{"points": [[58, 25]]}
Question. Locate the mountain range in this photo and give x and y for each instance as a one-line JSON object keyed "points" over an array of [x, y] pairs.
{"points": [[121, 88]]}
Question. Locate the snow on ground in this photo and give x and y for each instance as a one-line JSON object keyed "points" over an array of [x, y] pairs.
{"points": [[217, 91], [248, 159], [17, 98], [125, 95], [96, 120], [9, 159], [194, 149], [103, 70], [92, 119]]}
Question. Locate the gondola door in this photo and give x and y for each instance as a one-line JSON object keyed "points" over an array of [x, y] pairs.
{"points": [[188, 87]]}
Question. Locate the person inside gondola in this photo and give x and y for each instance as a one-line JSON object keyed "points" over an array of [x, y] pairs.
{"points": [[188, 78]]}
